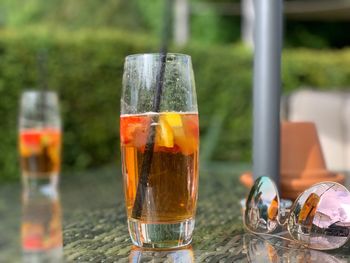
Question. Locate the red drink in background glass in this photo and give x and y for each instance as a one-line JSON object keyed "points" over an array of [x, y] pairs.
{"points": [[40, 151]]}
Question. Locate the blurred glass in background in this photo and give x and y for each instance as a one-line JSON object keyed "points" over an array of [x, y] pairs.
{"points": [[39, 151], [40, 138]]}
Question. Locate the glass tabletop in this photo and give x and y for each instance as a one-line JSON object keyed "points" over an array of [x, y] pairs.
{"points": [[94, 225]]}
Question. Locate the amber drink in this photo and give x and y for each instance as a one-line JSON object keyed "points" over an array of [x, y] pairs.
{"points": [[160, 202], [172, 181], [40, 151]]}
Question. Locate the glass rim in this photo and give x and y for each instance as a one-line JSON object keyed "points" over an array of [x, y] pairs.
{"points": [[38, 91], [139, 55]]}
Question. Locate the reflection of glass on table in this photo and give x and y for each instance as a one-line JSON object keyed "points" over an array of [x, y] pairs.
{"points": [[183, 255], [275, 250], [41, 229]]}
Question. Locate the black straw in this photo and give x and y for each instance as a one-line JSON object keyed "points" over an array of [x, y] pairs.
{"points": [[148, 154], [42, 80]]}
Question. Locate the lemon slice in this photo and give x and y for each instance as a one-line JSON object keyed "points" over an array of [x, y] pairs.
{"points": [[165, 134], [173, 119]]}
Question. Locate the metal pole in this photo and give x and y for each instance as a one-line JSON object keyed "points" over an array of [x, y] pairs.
{"points": [[267, 88]]}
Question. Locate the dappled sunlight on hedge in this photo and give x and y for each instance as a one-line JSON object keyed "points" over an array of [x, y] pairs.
{"points": [[85, 67]]}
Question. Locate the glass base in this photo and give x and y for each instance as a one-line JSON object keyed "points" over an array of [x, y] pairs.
{"points": [[50, 256], [161, 235], [33, 181]]}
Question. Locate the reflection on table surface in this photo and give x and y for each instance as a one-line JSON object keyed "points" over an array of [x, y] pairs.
{"points": [[245, 248], [275, 250], [95, 227], [181, 255], [41, 228]]}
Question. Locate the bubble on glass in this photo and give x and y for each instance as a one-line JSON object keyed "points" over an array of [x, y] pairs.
{"points": [[320, 217], [262, 207]]}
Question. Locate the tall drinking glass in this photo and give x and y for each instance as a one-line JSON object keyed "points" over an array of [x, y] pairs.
{"points": [[39, 137], [159, 149]]}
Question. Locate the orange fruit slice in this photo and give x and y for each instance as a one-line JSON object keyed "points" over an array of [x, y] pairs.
{"points": [[164, 133]]}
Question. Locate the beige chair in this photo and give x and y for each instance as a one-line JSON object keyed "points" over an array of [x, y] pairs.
{"points": [[330, 111]]}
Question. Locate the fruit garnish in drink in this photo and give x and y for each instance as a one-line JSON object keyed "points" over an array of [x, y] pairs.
{"points": [[134, 129], [171, 190], [40, 150], [164, 134], [174, 131]]}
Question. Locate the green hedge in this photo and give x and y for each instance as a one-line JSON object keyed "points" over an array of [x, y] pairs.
{"points": [[86, 70]]}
